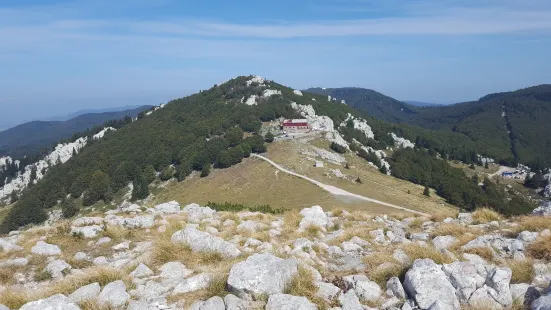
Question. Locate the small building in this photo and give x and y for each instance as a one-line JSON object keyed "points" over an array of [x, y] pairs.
{"points": [[318, 164], [295, 125]]}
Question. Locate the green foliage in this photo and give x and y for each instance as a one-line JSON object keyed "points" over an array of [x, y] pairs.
{"points": [[69, 208], [426, 191], [269, 137], [167, 173], [337, 148], [140, 188], [234, 136], [99, 189], [236, 207], [149, 174], [371, 157], [205, 171]]}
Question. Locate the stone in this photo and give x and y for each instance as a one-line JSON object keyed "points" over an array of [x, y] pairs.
{"points": [[261, 274], [141, 271], [100, 261], [46, 249], [327, 291], [527, 236], [401, 257], [80, 256], [426, 283], [444, 242], [365, 289], [57, 267], [171, 207], [439, 305], [200, 241], [2, 307], [524, 294], [499, 281], [422, 236], [138, 305], [289, 302], [114, 295], [103, 240], [544, 209], [87, 221], [174, 270], [143, 221], [192, 284], [233, 302], [85, 293], [56, 302], [394, 288], [251, 226], [481, 299], [349, 301], [16, 262], [313, 216], [7, 246], [464, 278], [195, 213], [213, 303], [542, 303], [87, 231]]}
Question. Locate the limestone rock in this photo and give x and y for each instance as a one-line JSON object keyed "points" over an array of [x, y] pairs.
{"points": [[544, 209], [174, 270], [114, 295], [289, 302], [443, 242], [426, 283], [56, 302], [313, 216], [261, 274], [192, 284], [87, 231], [7, 246], [200, 241], [464, 278], [57, 268], [85, 293], [141, 271], [195, 213], [168, 208], [395, 289], [46, 249], [233, 302], [349, 301]]}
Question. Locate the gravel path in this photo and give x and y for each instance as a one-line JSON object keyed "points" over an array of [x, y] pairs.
{"points": [[335, 190]]}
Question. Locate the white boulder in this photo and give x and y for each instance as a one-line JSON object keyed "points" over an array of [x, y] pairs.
{"points": [[289, 302], [114, 295], [56, 302], [46, 249], [200, 241]]}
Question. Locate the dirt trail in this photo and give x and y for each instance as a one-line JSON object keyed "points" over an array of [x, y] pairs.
{"points": [[335, 190]]}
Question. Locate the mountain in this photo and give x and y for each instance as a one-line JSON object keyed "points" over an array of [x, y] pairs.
{"points": [[370, 101], [32, 137], [95, 111], [507, 126], [219, 127], [421, 103]]}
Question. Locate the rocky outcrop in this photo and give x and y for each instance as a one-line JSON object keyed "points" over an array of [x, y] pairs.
{"points": [[56, 302], [289, 302], [261, 274], [43, 248], [544, 209], [200, 241]]}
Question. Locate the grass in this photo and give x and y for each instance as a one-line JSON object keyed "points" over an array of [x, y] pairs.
{"points": [[378, 269], [13, 298], [540, 249], [165, 251], [302, 284], [42, 276], [415, 251], [453, 229], [486, 215], [532, 223], [523, 271]]}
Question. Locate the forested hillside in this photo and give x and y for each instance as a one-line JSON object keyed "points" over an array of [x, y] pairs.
{"points": [[219, 127], [509, 127], [29, 138], [374, 103]]}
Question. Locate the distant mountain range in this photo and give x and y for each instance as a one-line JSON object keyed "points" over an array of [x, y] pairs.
{"points": [[511, 126], [31, 137], [94, 111], [422, 104]]}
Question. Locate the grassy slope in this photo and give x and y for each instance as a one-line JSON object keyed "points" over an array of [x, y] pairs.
{"points": [[255, 182]]}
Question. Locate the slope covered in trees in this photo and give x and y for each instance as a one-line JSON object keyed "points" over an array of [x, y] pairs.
{"points": [[29, 138], [509, 127], [216, 128]]}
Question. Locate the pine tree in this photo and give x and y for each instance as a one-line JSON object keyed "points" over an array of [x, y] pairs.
{"points": [[472, 166], [486, 165], [149, 174], [426, 191], [167, 173], [205, 171], [383, 169], [69, 208], [140, 189], [269, 137], [13, 197]]}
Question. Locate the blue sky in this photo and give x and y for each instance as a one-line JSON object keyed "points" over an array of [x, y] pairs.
{"points": [[58, 57]]}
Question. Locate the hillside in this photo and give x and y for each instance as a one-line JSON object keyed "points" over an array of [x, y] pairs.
{"points": [[505, 126], [220, 127], [374, 103], [32, 137]]}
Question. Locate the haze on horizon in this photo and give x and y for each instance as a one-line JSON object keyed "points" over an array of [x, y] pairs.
{"points": [[58, 57]]}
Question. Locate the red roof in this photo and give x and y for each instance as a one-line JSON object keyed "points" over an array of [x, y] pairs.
{"points": [[289, 124]]}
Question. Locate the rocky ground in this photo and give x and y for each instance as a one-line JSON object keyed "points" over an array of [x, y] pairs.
{"points": [[169, 257]]}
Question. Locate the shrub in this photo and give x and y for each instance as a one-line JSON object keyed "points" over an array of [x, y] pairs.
{"points": [[69, 208], [236, 207], [486, 215], [269, 137], [540, 249], [523, 271], [338, 148], [205, 171]]}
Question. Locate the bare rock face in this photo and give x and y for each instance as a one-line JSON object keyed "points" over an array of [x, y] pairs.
{"points": [[200, 241], [427, 283], [58, 301], [544, 209], [261, 274], [289, 302]]}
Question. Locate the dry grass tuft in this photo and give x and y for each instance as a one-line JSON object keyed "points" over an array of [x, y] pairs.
{"points": [[118, 233], [486, 215], [102, 275], [303, 285], [440, 216], [416, 225], [485, 252], [13, 298], [6, 276], [453, 229], [532, 223], [523, 271], [540, 249], [415, 251], [312, 231], [165, 251]]}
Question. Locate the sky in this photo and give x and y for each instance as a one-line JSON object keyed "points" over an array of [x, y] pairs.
{"points": [[57, 57]]}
